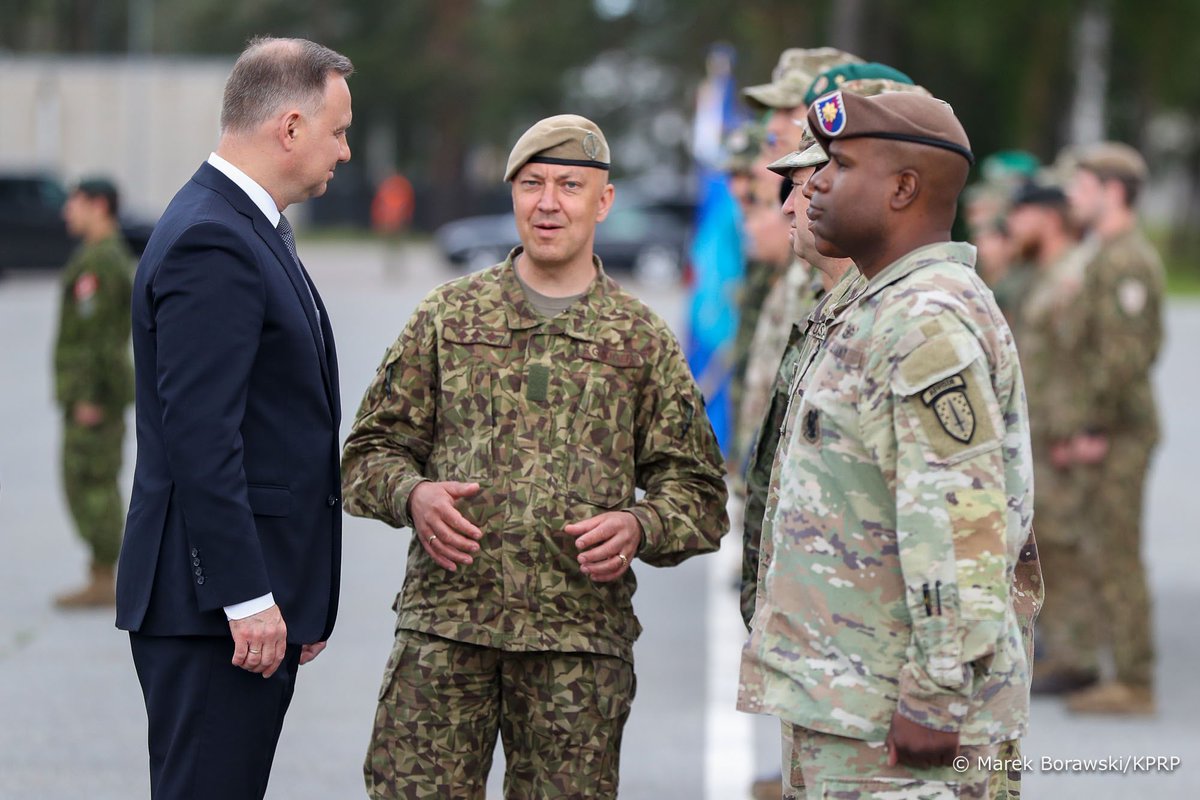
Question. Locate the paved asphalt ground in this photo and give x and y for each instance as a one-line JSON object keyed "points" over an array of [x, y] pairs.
{"points": [[71, 720]]}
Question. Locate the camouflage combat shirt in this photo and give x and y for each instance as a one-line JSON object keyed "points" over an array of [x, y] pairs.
{"points": [[800, 344], [92, 360], [900, 500], [559, 420], [1123, 297]]}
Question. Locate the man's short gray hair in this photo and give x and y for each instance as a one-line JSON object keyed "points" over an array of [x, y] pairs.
{"points": [[272, 73]]}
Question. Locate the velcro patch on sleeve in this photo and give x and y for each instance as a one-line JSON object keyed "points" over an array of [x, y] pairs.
{"points": [[946, 394]]}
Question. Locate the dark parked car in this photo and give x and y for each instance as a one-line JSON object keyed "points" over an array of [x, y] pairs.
{"points": [[649, 238], [32, 230]]}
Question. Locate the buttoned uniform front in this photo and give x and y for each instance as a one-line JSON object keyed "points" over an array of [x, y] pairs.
{"points": [[897, 514], [558, 420], [800, 348]]}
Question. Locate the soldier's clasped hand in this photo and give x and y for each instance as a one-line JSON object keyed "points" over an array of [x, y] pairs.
{"points": [[447, 536], [607, 542]]}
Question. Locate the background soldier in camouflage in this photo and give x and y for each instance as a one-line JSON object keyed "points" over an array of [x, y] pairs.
{"points": [[783, 100], [886, 629], [509, 425], [1051, 322], [94, 380], [1122, 296]]}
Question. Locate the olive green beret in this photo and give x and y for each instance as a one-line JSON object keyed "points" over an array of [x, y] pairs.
{"points": [[564, 139], [1113, 160], [899, 116], [836, 78], [795, 72], [811, 154]]}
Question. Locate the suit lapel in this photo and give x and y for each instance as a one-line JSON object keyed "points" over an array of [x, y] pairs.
{"points": [[213, 178]]}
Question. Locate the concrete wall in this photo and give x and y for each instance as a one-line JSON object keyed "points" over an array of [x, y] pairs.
{"points": [[145, 122]]}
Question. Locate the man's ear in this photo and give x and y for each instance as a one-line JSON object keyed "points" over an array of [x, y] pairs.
{"points": [[288, 128], [606, 200], [906, 188]]}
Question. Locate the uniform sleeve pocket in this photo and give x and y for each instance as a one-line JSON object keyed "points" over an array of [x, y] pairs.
{"points": [[946, 403]]}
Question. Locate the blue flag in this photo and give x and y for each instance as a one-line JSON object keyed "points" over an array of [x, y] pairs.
{"points": [[717, 260]]}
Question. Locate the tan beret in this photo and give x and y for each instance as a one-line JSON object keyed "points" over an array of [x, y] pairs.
{"points": [[1113, 160], [900, 116], [811, 154], [565, 139], [797, 69]]}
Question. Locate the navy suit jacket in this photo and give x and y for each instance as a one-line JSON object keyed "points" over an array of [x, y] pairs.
{"points": [[237, 487]]}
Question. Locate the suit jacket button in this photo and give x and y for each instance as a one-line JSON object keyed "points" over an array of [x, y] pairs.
{"points": [[199, 571], [195, 552], [195, 562], [332, 500], [200, 581]]}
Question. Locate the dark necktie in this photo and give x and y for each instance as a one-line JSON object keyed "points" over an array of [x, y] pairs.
{"points": [[289, 241]]}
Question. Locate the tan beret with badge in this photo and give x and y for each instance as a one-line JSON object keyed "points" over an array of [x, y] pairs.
{"points": [[566, 139], [811, 154], [898, 116], [797, 69]]}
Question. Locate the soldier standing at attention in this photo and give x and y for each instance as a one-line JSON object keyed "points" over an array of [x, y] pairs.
{"points": [[886, 630], [1051, 324], [94, 380], [1122, 296], [509, 426]]}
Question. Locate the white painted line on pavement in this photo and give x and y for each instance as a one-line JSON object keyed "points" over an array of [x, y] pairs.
{"points": [[728, 761]]}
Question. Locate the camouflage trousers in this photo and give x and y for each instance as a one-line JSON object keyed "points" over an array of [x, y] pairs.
{"points": [[91, 462], [827, 767], [1115, 500], [1067, 625], [441, 704]]}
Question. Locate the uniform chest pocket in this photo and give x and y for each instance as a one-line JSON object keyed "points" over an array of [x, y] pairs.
{"points": [[829, 391], [469, 357], [598, 467]]}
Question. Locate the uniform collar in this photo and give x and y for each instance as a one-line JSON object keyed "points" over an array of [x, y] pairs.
{"points": [[578, 321], [937, 253]]}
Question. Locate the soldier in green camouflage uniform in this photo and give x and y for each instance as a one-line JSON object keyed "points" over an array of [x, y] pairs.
{"points": [[1122, 297], [887, 628], [1051, 324], [94, 380], [509, 425]]}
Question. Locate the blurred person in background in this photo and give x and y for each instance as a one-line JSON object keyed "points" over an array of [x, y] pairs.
{"points": [[1123, 301], [94, 381], [1051, 322]]}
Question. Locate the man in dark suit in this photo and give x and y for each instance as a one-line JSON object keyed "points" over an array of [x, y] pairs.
{"points": [[228, 577]]}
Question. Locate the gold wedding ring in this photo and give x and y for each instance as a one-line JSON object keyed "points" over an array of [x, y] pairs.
{"points": [[432, 538], [624, 560]]}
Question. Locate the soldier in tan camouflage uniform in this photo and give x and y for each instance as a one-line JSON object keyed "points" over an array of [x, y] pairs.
{"points": [[94, 381], [887, 629], [1051, 324], [1122, 297], [783, 101], [509, 426]]}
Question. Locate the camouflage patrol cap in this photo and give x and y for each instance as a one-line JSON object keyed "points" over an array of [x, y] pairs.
{"points": [[836, 78], [795, 72], [1113, 160], [898, 116], [742, 147], [564, 139], [811, 154]]}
